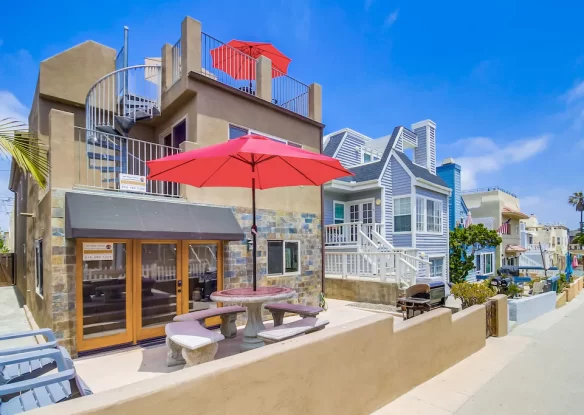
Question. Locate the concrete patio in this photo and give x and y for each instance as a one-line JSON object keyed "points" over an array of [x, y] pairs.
{"points": [[113, 369]]}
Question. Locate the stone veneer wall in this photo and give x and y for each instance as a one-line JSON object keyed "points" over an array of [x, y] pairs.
{"points": [[278, 225], [62, 278]]}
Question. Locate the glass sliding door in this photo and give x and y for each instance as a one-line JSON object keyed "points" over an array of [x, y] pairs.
{"points": [[202, 268], [104, 293], [158, 286]]}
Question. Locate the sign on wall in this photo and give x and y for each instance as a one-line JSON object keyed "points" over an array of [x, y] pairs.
{"points": [[98, 251], [132, 183]]}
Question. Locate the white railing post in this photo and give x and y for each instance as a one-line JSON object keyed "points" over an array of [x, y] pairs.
{"points": [[344, 265], [383, 268]]}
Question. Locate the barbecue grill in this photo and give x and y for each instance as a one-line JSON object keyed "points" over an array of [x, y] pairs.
{"points": [[421, 298]]}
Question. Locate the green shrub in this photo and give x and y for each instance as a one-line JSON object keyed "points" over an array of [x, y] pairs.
{"points": [[513, 291], [472, 294], [561, 284]]}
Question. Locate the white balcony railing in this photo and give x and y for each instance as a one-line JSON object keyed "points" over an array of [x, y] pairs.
{"points": [[348, 233], [112, 162]]}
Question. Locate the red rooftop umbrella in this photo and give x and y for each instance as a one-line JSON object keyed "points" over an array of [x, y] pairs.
{"points": [[251, 161], [233, 59]]}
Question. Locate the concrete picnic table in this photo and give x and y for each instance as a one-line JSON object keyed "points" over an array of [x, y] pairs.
{"points": [[253, 300]]}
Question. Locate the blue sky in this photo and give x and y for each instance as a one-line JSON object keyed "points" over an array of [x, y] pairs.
{"points": [[504, 82]]}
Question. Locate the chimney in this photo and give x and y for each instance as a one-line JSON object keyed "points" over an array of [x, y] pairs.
{"points": [[449, 171], [425, 152]]}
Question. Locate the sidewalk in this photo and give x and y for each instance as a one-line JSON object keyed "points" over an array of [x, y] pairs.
{"points": [[12, 318], [536, 369]]}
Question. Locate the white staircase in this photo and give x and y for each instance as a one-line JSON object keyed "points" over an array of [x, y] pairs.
{"points": [[359, 250]]}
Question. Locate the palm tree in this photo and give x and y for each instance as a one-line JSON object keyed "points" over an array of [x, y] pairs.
{"points": [[577, 200], [24, 148]]}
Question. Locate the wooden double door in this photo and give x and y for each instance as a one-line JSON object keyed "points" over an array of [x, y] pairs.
{"points": [[128, 289]]}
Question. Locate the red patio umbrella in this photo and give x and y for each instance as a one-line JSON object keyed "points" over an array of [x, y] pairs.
{"points": [[251, 161], [233, 59]]}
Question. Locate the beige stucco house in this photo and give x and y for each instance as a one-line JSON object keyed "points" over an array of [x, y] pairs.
{"points": [[493, 207], [106, 257], [551, 239]]}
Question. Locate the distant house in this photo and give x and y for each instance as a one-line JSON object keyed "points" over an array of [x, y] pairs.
{"points": [[547, 241], [395, 202], [499, 209], [460, 215]]}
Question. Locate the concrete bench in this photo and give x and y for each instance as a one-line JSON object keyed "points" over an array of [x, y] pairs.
{"points": [[228, 316], [294, 329], [192, 341], [279, 309]]}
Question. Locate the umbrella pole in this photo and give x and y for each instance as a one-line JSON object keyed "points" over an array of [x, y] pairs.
{"points": [[254, 229]]}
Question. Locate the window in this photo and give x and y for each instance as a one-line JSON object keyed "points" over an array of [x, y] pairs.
{"points": [[488, 261], [366, 157], [402, 214], [176, 135], [434, 216], [38, 260], [283, 257], [420, 214], [436, 267], [484, 263], [339, 211], [428, 215], [236, 132], [558, 240]]}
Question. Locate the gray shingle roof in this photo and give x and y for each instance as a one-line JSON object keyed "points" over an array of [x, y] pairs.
{"points": [[373, 170], [418, 171], [333, 144]]}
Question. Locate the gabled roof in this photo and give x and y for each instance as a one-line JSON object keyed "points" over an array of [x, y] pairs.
{"points": [[419, 171], [373, 170], [332, 144]]}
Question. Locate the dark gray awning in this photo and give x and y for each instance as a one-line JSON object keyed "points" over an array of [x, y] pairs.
{"points": [[96, 216]]}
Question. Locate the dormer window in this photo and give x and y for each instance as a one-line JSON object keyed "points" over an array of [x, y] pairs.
{"points": [[368, 157]]}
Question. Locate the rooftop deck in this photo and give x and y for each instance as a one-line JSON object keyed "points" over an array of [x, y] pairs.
{"points": [[118, 368]]}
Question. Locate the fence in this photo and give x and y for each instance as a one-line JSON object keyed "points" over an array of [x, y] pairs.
{"points": [[227, 65], [6, 269], [104, 160], [289, 93]]}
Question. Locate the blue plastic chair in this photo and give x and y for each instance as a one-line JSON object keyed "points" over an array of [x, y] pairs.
{"points": [[30, 394], [35, 367]]}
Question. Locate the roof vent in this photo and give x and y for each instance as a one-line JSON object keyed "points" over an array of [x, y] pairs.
{"points": [[449, 160]]}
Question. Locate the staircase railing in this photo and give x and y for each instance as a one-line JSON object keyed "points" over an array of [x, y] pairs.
{"points": [[126, 95], [104, 161]]}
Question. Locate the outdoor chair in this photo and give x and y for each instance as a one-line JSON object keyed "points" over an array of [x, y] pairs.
{"points": [[26, 395], [34, 367]]}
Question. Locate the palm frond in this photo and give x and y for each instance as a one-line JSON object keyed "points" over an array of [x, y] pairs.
{"points": [[18, 142]]}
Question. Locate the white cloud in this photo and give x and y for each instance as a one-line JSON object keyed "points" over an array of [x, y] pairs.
{"points": [[482, 155], [11, 107], [391, 19], [552, 207], [575, 93]]}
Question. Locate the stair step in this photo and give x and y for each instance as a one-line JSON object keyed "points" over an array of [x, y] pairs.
{"points": [[108, 129], [101, 156]]}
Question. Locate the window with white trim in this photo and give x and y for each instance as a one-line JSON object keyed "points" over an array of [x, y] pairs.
{"points": [[38, 262], [484, 263], [236, 131], [420, 214], [368, 157], [434, 215], [339, 212], [402, 214], [436, 267], [283, 257], [428, 215]]}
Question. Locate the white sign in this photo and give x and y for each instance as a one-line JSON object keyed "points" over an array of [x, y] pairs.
{"points": [[132, 183], [98, 251]]}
